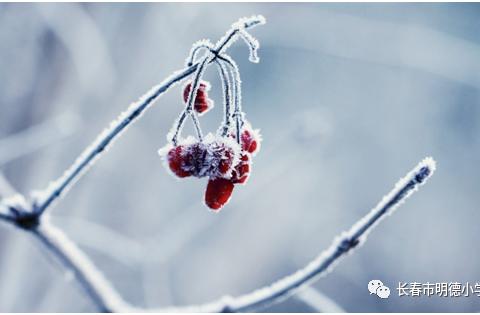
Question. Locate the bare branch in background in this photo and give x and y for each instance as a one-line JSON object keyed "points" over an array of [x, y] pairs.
{"points": [[318, 301], [37, 137]]}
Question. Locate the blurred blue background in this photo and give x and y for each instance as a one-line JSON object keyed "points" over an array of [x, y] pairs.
{"points": [[349, 97]]}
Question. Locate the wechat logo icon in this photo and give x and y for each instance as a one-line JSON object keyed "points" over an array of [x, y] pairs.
{"points": [[376, 287]]}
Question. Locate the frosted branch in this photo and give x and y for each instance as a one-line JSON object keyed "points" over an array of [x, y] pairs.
{"points": [[252, 44], [86, 273], [197, 46], [43, 199], [326, 261]]}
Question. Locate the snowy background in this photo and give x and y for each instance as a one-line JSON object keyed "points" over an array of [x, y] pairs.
{"points": [[349, 98]]}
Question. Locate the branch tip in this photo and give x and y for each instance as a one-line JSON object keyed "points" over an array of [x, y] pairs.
{"points": [[248, 22]]}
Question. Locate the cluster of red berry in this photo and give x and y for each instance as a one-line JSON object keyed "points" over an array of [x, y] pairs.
{"points": [[219, 189], [220, 158]]}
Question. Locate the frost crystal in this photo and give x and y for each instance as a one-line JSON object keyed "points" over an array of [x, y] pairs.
{"points": [[214, 157], [16, 202]]}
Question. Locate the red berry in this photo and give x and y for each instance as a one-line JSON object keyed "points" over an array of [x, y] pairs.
{"points": [[176, 161], [241, 172], [225, 154], [211, 158], [249, 143], [218, 193], [249, 139], [202, 107], [224, 165], [202, 102]]}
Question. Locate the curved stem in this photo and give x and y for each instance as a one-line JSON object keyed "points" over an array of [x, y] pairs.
{"points": [[235, 73], [227, 87], [224, 77], [188, 110], [202, 44]]}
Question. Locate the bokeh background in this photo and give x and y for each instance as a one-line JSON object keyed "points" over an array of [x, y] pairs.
{"points": [[349, 97]]}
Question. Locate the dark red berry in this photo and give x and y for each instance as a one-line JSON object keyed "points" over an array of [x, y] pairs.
{"points": [[218, 193], [176, 161], [225, 154], [248, 140], [241, 172], [203, 159], [202, 102]]}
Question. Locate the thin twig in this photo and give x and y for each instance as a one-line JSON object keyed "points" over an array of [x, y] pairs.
{"points": [[190, 102], [89, 156]]}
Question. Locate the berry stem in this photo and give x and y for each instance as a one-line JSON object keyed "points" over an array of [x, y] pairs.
{"points": [[224, 77], [201, 44], [238, 29], [235, 73], [228, 90], [188, 110]]}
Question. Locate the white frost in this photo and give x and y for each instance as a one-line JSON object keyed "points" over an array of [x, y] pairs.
{"points": [[212, 153]]}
